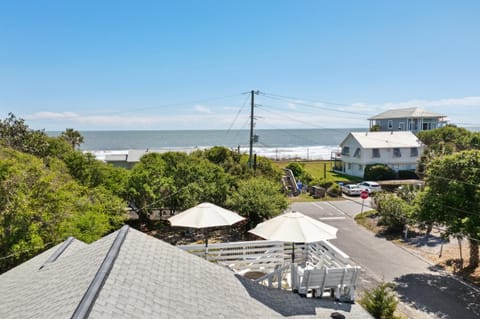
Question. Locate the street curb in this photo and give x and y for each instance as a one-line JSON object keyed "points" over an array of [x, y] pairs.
{"points": [[442, 272]]}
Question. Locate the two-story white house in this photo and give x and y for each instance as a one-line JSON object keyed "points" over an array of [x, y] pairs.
{"points": [[400, 150]]}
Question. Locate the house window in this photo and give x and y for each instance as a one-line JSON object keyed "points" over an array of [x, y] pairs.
{"points": [[357, 152], [413, 152], [401, 126], [375, 152], [346, 150], [360, 167], [390, 124], [349, 165], [396, 152]]}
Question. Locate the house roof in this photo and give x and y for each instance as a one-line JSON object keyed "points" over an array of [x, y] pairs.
{"points": [[384, 139], [128, 274], [412, 112]]}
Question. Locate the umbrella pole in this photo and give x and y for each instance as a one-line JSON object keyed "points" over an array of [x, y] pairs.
{"points": [[206, 243]]}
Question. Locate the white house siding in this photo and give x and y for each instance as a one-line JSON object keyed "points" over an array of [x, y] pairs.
{"points": [[355, 165], [351, 164]]}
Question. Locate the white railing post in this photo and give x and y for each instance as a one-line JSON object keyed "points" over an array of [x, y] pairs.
{"points": [[294, 276]]}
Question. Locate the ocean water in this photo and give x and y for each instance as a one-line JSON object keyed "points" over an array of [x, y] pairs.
{"points": [[275, 144]]}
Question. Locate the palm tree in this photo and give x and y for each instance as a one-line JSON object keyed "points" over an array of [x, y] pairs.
{"points": [[73, 137]]}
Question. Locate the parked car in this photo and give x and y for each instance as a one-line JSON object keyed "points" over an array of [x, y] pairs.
{"points": [[370, 187], [351, 189]]}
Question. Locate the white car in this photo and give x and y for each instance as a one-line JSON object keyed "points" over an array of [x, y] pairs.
{"points": [[351, 189], [370, 187]]}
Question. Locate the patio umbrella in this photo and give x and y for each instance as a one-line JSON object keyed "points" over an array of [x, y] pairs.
{"points": [[204, 216], [294, 227]]}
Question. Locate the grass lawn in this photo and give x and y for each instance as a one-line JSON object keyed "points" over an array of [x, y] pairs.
{"points": [[321, 170]]}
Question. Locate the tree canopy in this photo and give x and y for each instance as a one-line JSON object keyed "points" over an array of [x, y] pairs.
{"points": [[50, 190], [73, 137], [257, 199], [41, 205], [452, 198]]}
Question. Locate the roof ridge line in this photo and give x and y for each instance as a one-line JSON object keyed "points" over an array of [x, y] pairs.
{"points": [[88, 300], [60, 250]]}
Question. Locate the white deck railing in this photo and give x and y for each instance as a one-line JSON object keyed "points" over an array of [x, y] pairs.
{"points": [[266, 255], [260, 255], [316, 266]]}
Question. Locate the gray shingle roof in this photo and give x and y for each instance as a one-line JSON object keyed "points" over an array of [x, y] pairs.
{"points": [[148, 279], [412, 112]]}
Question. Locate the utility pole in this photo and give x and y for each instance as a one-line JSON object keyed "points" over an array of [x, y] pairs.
{"points": [[252, 117]]}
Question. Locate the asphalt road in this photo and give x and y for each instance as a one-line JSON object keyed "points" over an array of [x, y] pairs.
{"points": [[424, 292]]}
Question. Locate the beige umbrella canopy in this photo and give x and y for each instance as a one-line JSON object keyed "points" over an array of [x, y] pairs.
{"points": [[203, 216], [294, 227]]}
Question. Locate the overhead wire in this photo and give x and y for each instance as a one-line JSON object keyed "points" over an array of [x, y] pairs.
{"points": [[299, 102], [26, 251], [236, 115]]}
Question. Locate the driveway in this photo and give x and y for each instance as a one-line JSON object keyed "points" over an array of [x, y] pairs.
{"points": [[425, 292]]}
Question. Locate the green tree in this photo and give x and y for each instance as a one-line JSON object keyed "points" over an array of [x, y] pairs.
{"points": [[198, 180], [257, 199], [454, 193], [424, 208], [89, 171], [394, 211], [148, 187], [73, 137], [227, 159], [16, 134], [444, 141], [176, 181], [41, 205], [380, 302]]}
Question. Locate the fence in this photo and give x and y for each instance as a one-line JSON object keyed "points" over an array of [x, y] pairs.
{"points": [[265, 255]]}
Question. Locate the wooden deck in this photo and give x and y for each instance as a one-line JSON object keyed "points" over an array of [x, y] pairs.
{"points": [[317, 267]]}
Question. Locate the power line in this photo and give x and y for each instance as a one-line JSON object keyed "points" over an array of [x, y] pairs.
{"points": [[236, 115], [169, 105], [166, 197], [25, 251], [297, 102], [466, 236]]}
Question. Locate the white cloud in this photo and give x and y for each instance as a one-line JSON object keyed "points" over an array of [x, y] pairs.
{"points": [[191, 121], [51, 116], [202, 109], [461, 111]]}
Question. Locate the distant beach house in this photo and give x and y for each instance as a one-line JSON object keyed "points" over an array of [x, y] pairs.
{"points": [[398, 150], [410, 119]]}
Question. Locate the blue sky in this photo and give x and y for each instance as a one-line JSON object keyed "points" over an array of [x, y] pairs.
{"points": [[102, 65]]}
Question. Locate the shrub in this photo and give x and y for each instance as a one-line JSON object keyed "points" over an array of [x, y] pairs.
{"points": [[380, 302], [298, 170], [407, 174], [378, 172], [393, 211], [334, 190]]}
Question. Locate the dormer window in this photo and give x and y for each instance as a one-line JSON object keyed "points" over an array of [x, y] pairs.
{"points": [[396, 152], [357, 152], [346, 150]]}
